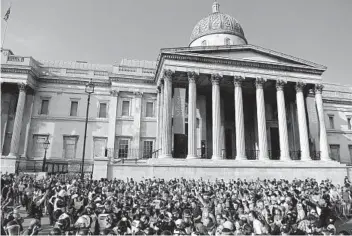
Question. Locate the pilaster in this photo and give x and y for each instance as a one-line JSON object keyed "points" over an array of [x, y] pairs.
{"points": [[161, 119], [112, 121], [28, 125], [136, 140]]}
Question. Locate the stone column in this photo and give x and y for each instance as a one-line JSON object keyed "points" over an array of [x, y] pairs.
{"points": [[262, 135], [239, 119], [28, 126], [302, 122], [18, 121], [215, 80], [281, 113], [167, 113], [192, 105], [161, 119], [112, 123], [324, 146], [157, 118]]}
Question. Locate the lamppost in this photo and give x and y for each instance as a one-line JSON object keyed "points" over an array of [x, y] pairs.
{"points": [[46, 146], [89, 90]]}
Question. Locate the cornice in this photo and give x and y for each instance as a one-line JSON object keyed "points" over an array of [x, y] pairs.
{"points": [[132, 80], [338, 131], [75, 82], [340, 102], [69, 118]]}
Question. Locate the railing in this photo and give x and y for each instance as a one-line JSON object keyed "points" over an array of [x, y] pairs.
{"points": [[295, 155], [274, 154], [315, 155], [15, 58], [130, 154]]}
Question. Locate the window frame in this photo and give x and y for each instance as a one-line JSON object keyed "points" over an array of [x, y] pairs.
{"points": [[349, 123], [42, 99], [71, 101], [106, 110], [118, 140], [63, 144], [331, 121], [338, 158], [153, 146], [350, 151], [34, 142], [127, 99], [105, 145], [153, 109]]}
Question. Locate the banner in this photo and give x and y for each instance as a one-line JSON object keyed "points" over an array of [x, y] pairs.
{"points": [[179, 110]]}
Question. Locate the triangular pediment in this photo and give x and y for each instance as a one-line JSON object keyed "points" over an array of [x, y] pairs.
{"points": [[247, 53]]}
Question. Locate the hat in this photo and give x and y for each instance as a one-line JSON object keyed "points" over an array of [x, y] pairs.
{"points": [[228, 225], [74, 196]]}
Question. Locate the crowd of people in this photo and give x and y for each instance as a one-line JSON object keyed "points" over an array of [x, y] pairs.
{"points": [[181, 206]]}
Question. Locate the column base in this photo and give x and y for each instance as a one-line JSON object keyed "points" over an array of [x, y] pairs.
{"points": [[165, 156], [286, 158], [192, 157], [12, 155], [214, 157], [241, 158]]}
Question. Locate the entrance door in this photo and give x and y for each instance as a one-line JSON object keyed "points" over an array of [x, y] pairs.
{"points": [[275, 143], [180, 146], [228, 143]]}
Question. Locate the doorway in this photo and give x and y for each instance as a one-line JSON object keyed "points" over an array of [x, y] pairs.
{"points": [[275, 143], [228, 143], [181, 144]]}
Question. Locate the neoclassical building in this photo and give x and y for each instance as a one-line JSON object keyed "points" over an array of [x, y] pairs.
{"points": [[220, 98]]}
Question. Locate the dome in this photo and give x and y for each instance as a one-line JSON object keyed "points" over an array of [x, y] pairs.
{"points": [[218, 23]]}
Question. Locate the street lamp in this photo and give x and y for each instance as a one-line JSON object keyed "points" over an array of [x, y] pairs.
{"points": [[89, 90], [46, 146]]}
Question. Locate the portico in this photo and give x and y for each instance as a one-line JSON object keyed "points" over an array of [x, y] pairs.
{"points": [[264, 110]]}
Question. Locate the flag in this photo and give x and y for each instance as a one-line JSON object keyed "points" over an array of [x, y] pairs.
{"points": [[7, 15]]}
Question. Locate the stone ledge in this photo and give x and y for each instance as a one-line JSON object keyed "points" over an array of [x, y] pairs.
{"points": [[245, 163]]}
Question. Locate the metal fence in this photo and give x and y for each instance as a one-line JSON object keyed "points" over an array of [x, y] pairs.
{"points": [[131, 154], [53, 167]]}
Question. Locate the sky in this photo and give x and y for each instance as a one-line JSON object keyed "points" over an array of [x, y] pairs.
{"points": [[106, 31]]}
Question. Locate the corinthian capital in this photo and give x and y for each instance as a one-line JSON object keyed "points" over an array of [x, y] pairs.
{"points": [[168, 74], [215, 78], [259, 82], [192, 76], [138, 94], [318, 88], [237, 80], [22, 87], [300, 86], [114, 93], [280, 84]]}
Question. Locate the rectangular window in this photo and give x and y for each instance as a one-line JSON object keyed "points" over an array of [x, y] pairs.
{"points": [[99, 147], [123, 148], [125, 108], [102, 110], [38, 145], [335, 152], [74, 107], [44, 109], [70, 145], [149, 112], [331, 122], [349, 123], [147, 149], [350, 150]]}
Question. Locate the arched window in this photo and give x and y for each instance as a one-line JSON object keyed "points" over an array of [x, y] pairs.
{"points": [[204, 43], [227, 41]]}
